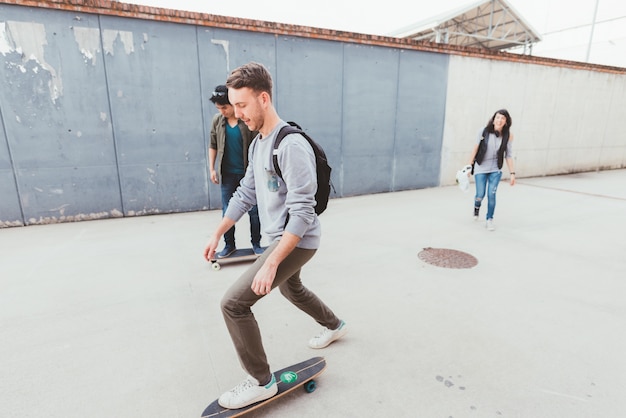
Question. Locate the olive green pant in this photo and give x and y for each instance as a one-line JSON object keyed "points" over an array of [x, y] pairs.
{"points": [[238, 300]]}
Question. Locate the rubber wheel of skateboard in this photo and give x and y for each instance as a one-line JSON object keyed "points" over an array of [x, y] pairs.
{"points": [[310, 386], [216, 266]]}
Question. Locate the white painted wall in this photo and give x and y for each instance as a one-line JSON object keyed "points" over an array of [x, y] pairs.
{"points": [[564, 120]]}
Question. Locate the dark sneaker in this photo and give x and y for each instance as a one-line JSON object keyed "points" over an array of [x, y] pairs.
{"points": [[226, 252], [258, 250], [248, 392], [476, 213]]}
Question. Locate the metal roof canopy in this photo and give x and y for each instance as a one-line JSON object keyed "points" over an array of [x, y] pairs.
{"points": [[491, 24]]}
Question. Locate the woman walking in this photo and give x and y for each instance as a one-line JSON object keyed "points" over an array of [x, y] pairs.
{"points": [[493, 145]]}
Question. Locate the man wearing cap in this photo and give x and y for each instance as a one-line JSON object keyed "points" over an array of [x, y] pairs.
{"points": [[230, 140]]}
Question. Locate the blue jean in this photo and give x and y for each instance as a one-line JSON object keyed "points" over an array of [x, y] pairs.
{"points": [[230, 182], [487, 182]]}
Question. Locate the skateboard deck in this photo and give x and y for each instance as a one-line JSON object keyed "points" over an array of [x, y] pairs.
{"points": [[288, 379], [239, 256]]}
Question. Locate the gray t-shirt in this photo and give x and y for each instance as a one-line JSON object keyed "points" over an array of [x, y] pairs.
{"points": [[490, 161]]}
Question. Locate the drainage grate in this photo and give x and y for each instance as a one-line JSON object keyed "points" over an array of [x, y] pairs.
{"points": [[443, 257]]}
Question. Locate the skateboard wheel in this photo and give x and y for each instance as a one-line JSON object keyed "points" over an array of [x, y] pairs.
{"points": [[216, 266], [310, 386]]}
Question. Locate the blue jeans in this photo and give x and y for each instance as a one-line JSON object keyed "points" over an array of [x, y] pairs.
{"points": [[487, 182], [230, 182]]}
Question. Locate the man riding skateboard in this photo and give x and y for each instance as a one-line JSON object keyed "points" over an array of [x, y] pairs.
{"points": [[228, 159], [286, 209]]}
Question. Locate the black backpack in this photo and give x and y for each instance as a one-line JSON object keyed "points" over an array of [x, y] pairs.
{"points": [[324, 183]]}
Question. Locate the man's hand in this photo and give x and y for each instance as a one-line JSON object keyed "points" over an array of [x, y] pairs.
{"points": [[264, 278], [210, 248], [262, 283], [214, 176]]}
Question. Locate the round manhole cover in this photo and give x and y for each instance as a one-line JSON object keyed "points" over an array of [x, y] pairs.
{"points": [[443, 257]]}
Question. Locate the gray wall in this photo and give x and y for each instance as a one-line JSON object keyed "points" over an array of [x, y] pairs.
{"points": [[107, 116]]}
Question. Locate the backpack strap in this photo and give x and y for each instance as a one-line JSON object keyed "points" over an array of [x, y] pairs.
{"points": [[292, 128]]}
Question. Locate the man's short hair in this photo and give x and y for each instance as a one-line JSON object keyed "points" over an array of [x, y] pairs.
{"points": [[252, 75], [220, 95]]}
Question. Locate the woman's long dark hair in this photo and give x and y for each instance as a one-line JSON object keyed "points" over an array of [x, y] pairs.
{"points": [[507, 125]]}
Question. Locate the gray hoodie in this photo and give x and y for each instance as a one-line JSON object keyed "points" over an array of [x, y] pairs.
{"points": [[293, 194]]}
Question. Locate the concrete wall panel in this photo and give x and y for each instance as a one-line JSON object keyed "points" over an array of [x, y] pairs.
{"points": [[63, 194], [467, 110], [220, 51], [370, 87], [55, 111], [163, 188], [154, 88], [10, 211], [420, 114], [613, 139], [574, 143], [533, 126], [309, 92]]}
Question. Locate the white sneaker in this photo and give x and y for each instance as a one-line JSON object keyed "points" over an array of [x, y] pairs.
{"points": [[490, 225], [327, 336], [248, 392]]}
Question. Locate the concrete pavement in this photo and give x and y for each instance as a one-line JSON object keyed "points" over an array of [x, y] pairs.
{"points": [[120, 318]]}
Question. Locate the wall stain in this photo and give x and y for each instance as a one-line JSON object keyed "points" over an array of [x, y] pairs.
{"points": [[126, 37], [88, 40], [28, 40]]}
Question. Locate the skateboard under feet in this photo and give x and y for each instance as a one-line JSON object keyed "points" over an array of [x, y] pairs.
{"points": [[288, 379]]}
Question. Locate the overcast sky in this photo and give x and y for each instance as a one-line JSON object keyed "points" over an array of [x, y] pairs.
{"points": [[565, 25]]}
